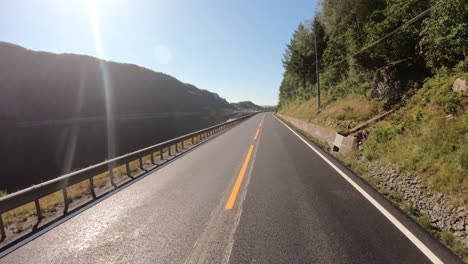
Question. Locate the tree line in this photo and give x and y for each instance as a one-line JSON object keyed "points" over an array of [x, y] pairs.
{"points": [[354, 38]]}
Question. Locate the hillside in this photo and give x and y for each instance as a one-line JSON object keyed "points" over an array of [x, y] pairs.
{"points": [[41, 86], [246, 106], [62, 112]]}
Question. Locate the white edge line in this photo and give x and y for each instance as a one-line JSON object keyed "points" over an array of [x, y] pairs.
{"points": [[424, 249]]}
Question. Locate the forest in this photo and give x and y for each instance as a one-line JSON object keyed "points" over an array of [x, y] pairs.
{"points": [[351, 39]]}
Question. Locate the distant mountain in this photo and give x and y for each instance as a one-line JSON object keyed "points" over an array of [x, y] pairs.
{"points": [[269, 107], [62, 112], [41, 85], [246, 106]]}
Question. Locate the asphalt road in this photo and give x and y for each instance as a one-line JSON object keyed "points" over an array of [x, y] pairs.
{"points": [[257, 193]]}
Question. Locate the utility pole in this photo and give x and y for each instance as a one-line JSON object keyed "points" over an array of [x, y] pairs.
{"points": [[318, 73]]}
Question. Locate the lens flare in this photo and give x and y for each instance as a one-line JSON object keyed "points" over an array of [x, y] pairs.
{"points": [[75, 127], [95, 27]]}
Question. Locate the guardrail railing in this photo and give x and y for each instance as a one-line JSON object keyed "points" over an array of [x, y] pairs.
{"points": [[36, 192]]}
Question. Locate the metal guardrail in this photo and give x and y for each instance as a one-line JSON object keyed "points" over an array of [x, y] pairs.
{"points": [[36, 192]]}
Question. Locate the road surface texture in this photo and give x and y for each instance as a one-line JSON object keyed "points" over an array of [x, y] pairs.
{"points": [[258, 193]]}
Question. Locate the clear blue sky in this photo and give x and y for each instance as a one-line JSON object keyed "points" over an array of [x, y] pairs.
{"points": [[233, 48]]}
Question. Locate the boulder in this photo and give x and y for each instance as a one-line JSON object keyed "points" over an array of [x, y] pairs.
{"points": [[392, 81], [386, 83], [460, 85]]}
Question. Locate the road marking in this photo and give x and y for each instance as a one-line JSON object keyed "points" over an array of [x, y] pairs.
{"points": [[256, 134], [259, 127], [424, 249], [237, 185]]}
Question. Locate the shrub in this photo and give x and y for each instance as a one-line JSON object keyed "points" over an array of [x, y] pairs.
{"points": [[462, 66]]}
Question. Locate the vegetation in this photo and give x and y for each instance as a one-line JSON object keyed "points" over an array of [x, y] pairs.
{"points": [[356, 37], [420, 137], [341, 114]]}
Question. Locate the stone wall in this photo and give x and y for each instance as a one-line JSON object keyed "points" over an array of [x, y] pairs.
{"points": [[437, 207], [346, 145]]}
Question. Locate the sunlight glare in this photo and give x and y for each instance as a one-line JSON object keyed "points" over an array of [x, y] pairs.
{"points": [[95, 27]]}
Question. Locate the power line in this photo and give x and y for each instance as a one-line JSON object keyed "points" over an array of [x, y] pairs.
{"points": [[409, 22], [389, 15], [406, 24]]}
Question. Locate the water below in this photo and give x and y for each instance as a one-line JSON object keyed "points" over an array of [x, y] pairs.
{"points": [[33, 152]]}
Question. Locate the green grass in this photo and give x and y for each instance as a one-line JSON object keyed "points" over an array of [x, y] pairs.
{"points": [[420, 137]]}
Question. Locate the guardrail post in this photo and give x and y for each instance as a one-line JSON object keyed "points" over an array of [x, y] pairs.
{"points": [[141, 164], [169, 150], [176, 147], [193, 141], [91, 187], [161, 153], [152, 159], [65, 200], [111, 176], [2, 229], [182, 144], [38, 210], [127, 169]]}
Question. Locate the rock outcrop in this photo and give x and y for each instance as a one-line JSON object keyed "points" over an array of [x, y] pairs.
{"points": [[386, 83], [391, 81], [460, 85]]}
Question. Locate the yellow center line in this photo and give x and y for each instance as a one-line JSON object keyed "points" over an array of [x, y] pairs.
{"points": [[259, 128], [235, 190], [256, 134], [237, 185]]}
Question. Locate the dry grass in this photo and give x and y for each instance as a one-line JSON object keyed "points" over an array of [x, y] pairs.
{"points": [[344, 113]]}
